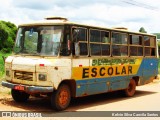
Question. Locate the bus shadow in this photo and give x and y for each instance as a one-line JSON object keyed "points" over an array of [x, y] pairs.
{"points": [[43, 104], [33, 104], [102, 99]]}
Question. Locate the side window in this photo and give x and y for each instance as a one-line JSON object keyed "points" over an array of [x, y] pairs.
{"points": [[105, 43], [99, 43], [80, 36], [147, 41], [150, 45], [119, 44], [135, 40], [95, 42], [136, 45]]}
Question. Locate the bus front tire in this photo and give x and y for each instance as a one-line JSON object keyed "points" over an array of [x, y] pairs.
{"points": [[60, 99], [130, 90], [19, 96]]}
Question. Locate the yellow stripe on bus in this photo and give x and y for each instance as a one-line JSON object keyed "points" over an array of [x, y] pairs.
{"points": [[80, 73]]}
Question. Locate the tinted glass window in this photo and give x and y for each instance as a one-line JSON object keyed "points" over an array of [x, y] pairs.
{"points": [[99, 43], [105, 49], [119, 38], [83, 49], [136, 51], [147, 51], [95, 36], [135, 40], [105, 37], [95, 49], [146, 40], [118, 50], [80, 35]]}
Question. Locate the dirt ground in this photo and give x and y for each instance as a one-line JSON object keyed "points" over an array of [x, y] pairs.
{"points": [[43, 104], [108, 101]]}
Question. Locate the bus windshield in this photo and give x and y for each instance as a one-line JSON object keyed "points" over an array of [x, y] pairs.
{"points": [[38, 40]]}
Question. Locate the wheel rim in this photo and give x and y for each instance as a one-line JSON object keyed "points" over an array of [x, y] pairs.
{"points": [[63, 97], [131, 88]]}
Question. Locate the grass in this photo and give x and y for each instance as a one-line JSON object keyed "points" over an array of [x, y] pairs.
{"points": [[2, 63], [3, 90]]}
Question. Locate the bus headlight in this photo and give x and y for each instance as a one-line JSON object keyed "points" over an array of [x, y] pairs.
{"points": [[42, 77]]}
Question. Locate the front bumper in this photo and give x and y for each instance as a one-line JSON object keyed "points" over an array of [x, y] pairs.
{"points": [[26, 88]]}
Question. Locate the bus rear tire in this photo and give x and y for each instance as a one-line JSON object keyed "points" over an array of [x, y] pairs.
{"points": [[19, 96], [61, 98], [131, 89]]}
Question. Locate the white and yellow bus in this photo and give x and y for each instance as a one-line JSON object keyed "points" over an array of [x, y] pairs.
{"points": [[61, 59]]}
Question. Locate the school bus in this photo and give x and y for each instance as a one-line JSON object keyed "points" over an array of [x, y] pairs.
{"points": [[62, 60]]}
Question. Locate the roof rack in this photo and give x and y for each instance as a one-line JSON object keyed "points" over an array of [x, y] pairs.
{"points": [[56, 18]]}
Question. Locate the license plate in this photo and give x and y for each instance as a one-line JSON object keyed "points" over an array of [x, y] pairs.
{"points": [[19, 87]]}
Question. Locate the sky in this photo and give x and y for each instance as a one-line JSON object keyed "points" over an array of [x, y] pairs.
{"points": [[131, 14]]}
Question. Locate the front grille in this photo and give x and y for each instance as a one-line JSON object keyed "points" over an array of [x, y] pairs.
{"points": [[21, 75]]}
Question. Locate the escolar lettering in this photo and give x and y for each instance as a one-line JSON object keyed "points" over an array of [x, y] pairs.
{"points": [[106, 71]]}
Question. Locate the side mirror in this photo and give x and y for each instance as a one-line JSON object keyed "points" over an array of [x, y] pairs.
{"points": [[77, 49]]}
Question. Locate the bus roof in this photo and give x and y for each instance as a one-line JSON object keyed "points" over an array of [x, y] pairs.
{"points": [[64, 21]]}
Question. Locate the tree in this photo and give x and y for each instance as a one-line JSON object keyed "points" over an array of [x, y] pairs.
{"points": [[7, 35], [157, 34], [142, 30], [3, 35]]}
